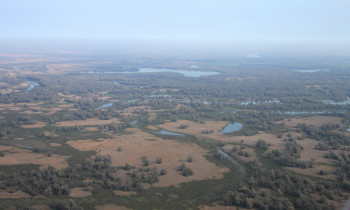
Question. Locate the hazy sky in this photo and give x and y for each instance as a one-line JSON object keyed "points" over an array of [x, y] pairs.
{"points": [[259, 20]]}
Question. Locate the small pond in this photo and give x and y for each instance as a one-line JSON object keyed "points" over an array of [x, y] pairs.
{"points": [[164, 132], [31, 85], [105, 106], [232, 127]]}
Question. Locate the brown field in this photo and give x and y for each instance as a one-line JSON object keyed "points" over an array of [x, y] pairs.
{"points": [[309, 152], [136, 145], [36, 125], [92, 121], [111, 207], [79, 193], [19, 139], [15, 156], [315, 120], [15, 195]]}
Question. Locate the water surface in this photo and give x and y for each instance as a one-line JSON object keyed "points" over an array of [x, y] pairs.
{"points": [[164, 132], [310, 70], [186, 73], [31, 85], [105, 106], [232, 127], [301, 113], [260, 102], [343, 103]]}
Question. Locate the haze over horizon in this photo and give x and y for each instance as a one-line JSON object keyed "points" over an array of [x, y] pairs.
{"points": [[316, 23]]}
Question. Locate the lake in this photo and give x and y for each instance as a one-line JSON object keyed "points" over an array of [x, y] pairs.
{"points": [[232, 127], [186, 73], [189, 73]]}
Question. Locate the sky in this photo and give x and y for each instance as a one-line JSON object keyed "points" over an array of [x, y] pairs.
{"points": [[286, 21]]}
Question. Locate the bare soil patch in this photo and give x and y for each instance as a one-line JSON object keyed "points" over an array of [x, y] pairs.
{"points": [[134, 146]]}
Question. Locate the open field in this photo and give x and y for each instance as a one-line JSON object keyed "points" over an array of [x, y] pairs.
{"points": [[137, 145], [92, 121], [13, 195], [15, 156]]}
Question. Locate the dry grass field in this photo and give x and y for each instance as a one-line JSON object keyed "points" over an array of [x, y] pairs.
{"points": [[91, 121], [15, 156], [13, 195], [138, 144]]}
